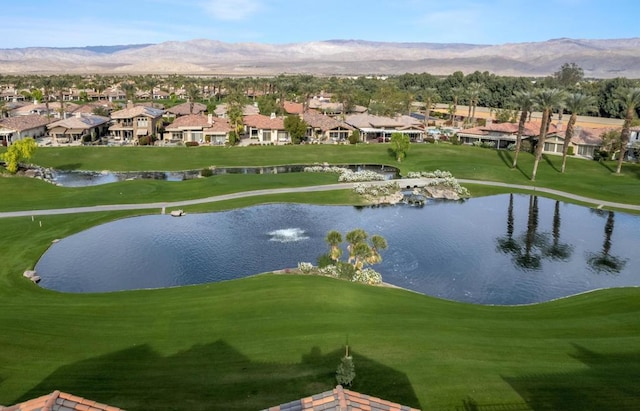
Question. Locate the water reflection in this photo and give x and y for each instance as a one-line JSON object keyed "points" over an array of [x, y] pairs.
{"points": [[455, 250], [604, 261]]}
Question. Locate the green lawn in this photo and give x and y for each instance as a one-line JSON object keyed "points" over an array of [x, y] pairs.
{"points": [[252, 343]]}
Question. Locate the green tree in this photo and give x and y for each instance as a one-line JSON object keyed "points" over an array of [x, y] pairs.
{"points": [[400, 145], [575, 103], [629, 99], [354, 137], [569, 75], [346, 371], [546, 99], [19, 151], [296, 127], [354, 238], [430, 97], [193, 94], [524, 102], [334, 239], [456, 93], [474, 90]]}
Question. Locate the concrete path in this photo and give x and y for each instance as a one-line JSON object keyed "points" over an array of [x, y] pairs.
{"points": [[341, 186]]}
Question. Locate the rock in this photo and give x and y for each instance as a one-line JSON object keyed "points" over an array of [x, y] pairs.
{"points": [[30, 274]]}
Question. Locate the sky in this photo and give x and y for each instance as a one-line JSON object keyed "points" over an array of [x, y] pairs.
{"points": [[78, 23]]}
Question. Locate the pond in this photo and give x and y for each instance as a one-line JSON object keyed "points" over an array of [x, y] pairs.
{"points": [[504, 250], [75, 178]]}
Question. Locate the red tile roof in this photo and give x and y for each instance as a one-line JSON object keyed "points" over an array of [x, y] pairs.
{"points": [[220, 125], [586, 135], [293, 108], [323, 122], [183, 109], [21, 123], [189, 121], [531, 129], [60, 401], [260, 121], [340, 399]]}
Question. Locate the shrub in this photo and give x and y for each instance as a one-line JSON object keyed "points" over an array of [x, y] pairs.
{"points": [[191, 144], [429, 140], [206, 172], [525, 146], [324, 260], [305, 268], [570, 150], [354, 137]]}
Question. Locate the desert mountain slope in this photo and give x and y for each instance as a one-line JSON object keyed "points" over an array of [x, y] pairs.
{"points": [[598, 58]]}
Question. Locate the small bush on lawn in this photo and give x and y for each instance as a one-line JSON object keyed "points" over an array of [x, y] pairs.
{"points": [[191, 144], [206, 172]]}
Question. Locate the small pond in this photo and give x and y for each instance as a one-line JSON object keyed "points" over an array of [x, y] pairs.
{"points": [[505, 249], [92, 178]]}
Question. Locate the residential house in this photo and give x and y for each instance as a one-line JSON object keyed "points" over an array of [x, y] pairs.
{"points": [[78, 128], [40, 109], [266, 129], [90, 108], [247, 110], [381, 128], [199, 128], [134, 122], [60, 401], [502, 135], [586, 141], [13, 129], [293, 108], [340, 399], [322, 127], [634, 142], [185, 109]]}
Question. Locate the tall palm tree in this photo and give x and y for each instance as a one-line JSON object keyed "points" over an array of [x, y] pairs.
{"points": [[524, 101], [630, 101], [334, 238], [378, 243], [430, 97], [546, 99], [456, 93], [193, 93], [355, 238], [575, 103], [47, 84], [61, 84], [473, 93], [129, 90]]}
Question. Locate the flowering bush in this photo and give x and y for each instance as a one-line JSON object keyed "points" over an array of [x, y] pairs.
{"points": [[305, 268], [367, 276], [346, 175], [441, 178], [484, 144], [378, 190]]}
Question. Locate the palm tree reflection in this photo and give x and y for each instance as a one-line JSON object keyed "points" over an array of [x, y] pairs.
{"points": [[603, 261], [558, 251]]}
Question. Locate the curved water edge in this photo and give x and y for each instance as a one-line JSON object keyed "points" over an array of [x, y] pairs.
{"points": [[500, 250], [82, 178]]}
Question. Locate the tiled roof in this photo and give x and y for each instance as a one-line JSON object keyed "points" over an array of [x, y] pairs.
{"points": [[340, 399], [264, 122], [183, 109], [89, 107], [365, 120], [247, 110], [293, 108], [21, 123], [220, 125], [80, 122], [60, 401], [531, 129], [189, 122], [324, 123], [586, 135], [137, 111]]}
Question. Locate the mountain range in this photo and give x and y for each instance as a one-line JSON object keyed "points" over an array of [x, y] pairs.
{"points": [[598, 58]]}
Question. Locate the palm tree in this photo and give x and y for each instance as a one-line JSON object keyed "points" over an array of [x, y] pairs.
{"points": [[193, 93], [46, 83], [546, 99], [354, 238], [129, 90], [334, 238], [456, 93], [430, 97], [524, 101], [473, 93], [378, 243], [61, 83], [630, 101], [575, 103]]}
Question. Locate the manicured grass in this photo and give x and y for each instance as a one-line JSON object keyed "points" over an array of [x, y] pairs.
{"points": [[252, 343], [583, 177]]}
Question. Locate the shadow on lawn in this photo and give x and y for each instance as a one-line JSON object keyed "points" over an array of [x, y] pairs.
{"points": [[507, 159], [609, 383], [214, 377]]}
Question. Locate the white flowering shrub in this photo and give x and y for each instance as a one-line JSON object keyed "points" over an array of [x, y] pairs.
{"points": [[346, 175], [305, 268], [367, 276], [330, 271], [441, 178], [378, 190]]}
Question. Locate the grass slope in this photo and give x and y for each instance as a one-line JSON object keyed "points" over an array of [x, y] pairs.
{"points": [[252, 343]]}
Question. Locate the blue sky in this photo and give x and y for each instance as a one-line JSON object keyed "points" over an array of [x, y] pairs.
{"points": [[71, 23]]}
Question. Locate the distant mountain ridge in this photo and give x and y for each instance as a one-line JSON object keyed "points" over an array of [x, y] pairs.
{"points": [[604, 58]]}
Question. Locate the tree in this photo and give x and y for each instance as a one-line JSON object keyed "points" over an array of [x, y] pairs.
{"points": [[296, 127], [569, 75], [193, 93], [546, 99], [430, 97], [62, 83], [575, 103], [346, 371], [473, 94], [524, 102], [456, 93], [630, 101], [334, 239], [355, 238], [354, 137], [19, 151], [400, 145]]}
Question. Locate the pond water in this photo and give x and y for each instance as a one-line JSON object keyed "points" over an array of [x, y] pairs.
{"points": [[505, 250], [91, 178]]}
